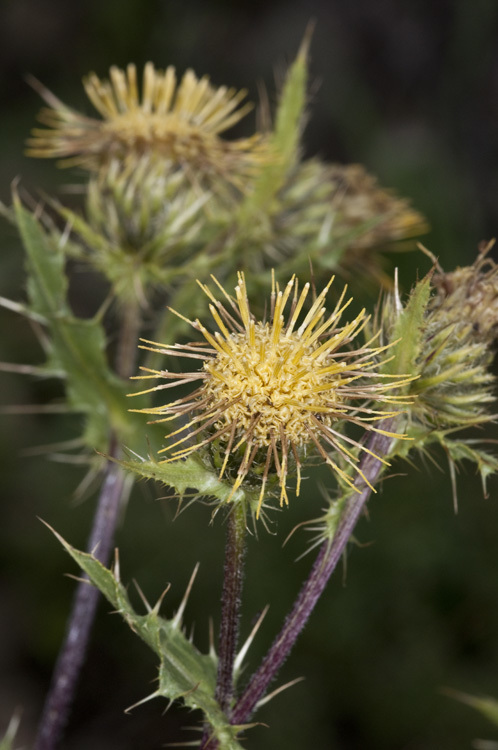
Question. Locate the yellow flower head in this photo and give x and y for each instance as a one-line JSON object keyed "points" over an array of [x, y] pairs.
{"points": [[180, 122], [273, 391]]}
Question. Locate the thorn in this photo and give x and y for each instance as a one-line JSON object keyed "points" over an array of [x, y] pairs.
{"points": [[243, 651], [157, 605], [68, 445], [20, 369], [241, 727], [56, 534], [78, 579], [85, 486], [22, 310], [66, 233], [305, 44], [168, 706], [268, 698], [212, 649], [142, 597], [176, 621], [320, 539], [116, 568], [191, 690], [397, 297], [298, 526], [144, 700]]}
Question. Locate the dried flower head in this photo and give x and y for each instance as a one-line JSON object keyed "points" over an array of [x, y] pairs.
{"points": [[273, 391], [455, 384], [472, 293], [180, 122]]}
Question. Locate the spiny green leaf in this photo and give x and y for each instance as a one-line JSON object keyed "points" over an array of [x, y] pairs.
{"points": [[184, 672], [190, 473], [422, 438], [77, 345], [486, 463]]}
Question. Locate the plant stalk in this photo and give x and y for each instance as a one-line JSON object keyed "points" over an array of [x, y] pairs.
{"points": [[73, 650], [113, 494], [327, 559], [233, 574]]}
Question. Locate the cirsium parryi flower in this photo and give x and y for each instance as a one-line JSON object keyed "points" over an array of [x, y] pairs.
{"points": [[272, 392]]}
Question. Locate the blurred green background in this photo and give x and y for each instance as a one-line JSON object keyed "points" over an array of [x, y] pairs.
{"points": [[410, 90]]}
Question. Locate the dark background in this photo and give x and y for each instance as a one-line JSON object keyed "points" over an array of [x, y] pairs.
{"points": [[410, 90]]}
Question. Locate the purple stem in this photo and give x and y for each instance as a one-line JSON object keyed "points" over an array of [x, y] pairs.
{"points": [[112, 494], [73, 650], [230, 615], [325, 563], [230, 611]]}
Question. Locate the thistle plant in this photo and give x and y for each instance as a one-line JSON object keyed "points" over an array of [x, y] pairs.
{"points": [[270, 390]]}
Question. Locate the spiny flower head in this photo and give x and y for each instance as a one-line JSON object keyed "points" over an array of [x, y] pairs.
{"points": [[273, 391], [179, 122], [448, 328], [140, 228]]}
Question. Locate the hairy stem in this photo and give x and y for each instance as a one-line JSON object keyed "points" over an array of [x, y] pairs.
{"points": [[114, 492], [230, 614], [230, 608], [327, 559]]}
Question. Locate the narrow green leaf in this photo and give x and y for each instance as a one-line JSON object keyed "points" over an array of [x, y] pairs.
{"points": [[409, 328], [284, 142], [290, 112], [47, 283]]}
